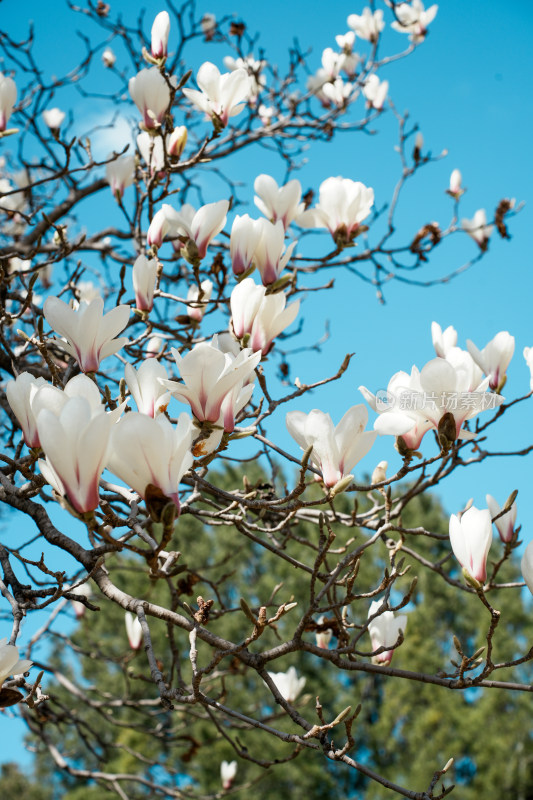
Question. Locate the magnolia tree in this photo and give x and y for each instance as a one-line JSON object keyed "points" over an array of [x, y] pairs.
{"points": [[137, 355]]}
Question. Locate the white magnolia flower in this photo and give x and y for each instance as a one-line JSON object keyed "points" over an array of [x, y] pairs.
{"points": [[443, 341], [278, 202], [150, 396], [134, 630], [228, 770], [176, 141], [416, 403], [245, 235], [375, 91], [367, 25], [53, 117], [200, 226], [270, 258], [343, 205], [478, 229], [323, 638], [160, 32], [153, 346], [20, 393], [10, 663], [76, 445], [85, 591], [528, 355], [196, 306], [413, 18], [151, 94], [470, 538], [494, 358], [120, 174], [338, 92], [337, 450], [331, 63], [108, 58], [384, 631], [144, 276], [526, 566], [505, 525], [266, 114], [147, 452], [8, 98], [455, 189], [253, 68], [348, 59], [288, 684], [160, 225], [214, 382], [152, 151], [259, 317], [54, 399], [222, 95], [85, 292], [89, 333]]}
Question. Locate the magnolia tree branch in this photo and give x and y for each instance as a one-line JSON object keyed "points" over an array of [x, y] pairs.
{"points": [[122, 434]]}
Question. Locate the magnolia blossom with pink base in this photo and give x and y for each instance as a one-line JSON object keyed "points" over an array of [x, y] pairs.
{"points": [[160, 32], [323, 638], [269, 255], [152, 451], [89, 333], [196, 307], [526, 566], [222, 95], [151, 94], [505, 524], [385, 631], [214, 382], [120, 174], [245, 235], [343, 205], [134, 630], [144, 277], [278, 202], [288, 684], [470, 538], [228, 770], [337, 450], [494, 358], [427, 396], [259, 316], [76, 445]]}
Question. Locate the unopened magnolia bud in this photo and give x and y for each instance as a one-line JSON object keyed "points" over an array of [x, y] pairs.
{"points": [[380, 472], [447, 431], [341, 485], [190, 252], [108, 58], [419, 144], [176, 141]]}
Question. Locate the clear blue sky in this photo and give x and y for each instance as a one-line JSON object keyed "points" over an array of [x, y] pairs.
{"points": [[467, 87]]}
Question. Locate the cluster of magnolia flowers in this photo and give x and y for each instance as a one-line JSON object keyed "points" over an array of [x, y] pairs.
{"points": [[328, 84]]}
